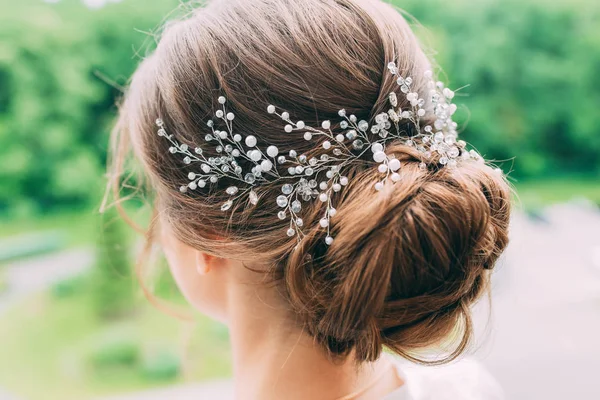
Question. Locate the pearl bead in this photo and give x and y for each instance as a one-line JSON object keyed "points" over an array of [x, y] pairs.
{"points": [[395, 177], [285, 115], [271, 109], [222, 99], [219, 113], [288, 128], [327, 145], [376, 147], [230, 116], [250, 141], [394, 164], [307, 135], [323, 197], [324, 223], [266, 165], [255, 155], [300, 124], [332, 212], [382, 168], [328, 240], [272, 151], [378, 186], [379, 156], [343, 181], [326, 124]]}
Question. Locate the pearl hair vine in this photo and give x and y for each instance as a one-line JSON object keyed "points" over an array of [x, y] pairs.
{"points": [[304, 179]]}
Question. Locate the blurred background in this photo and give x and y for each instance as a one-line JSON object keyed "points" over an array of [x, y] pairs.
{"points": [[73, 323]]}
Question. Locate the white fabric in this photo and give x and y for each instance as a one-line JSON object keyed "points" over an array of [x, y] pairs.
{"points": [[461, 380]]}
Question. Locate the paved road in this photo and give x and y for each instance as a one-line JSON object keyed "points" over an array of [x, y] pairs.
{"points": [[37, 273]]}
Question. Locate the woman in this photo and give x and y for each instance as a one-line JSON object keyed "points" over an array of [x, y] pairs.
{"points": [[311, 193]]}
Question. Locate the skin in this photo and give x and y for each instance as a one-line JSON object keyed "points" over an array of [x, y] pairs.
{"points": [[272, 357]]}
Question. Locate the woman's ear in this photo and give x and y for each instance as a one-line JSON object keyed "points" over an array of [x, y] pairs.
{"points": [[206, 263]]}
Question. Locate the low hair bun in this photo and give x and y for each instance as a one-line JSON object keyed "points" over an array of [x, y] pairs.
{"points": [[406, 263]]}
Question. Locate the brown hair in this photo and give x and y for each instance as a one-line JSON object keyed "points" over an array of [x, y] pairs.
{"points": [[407, 262]]}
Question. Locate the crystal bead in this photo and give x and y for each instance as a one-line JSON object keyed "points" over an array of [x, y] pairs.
{"points": [[453, 152], [296, 206], [363, 125], [282, 201], [187, 160], [231, 190], [253, 197], [351, 134], [299, 222], [291, 232], [281, 215], [287, 188], [227, 205], [358, 144], [344, 124], [393, 99], [281, 159], [293, 153], [309, 171], [249, 178]]}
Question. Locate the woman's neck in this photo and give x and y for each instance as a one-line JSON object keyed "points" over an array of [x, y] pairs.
{"points": [[273, 359]]}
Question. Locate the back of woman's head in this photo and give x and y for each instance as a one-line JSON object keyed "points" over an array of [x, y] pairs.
{"points": [[408, 260]]}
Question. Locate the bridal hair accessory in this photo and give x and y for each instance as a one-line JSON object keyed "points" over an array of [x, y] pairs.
{"points": [[304, 179]]}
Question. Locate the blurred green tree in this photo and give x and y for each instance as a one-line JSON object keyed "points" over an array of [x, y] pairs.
{"points": [[531, 67], [112, 281]]}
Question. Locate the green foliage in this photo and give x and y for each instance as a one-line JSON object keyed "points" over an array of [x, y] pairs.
{"points": [[69, 287], [531, 66], [116, 348], [162, 365], [112, 283]]}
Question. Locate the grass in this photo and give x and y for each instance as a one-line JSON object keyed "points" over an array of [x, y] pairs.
{"points": [[48, 342], [532, 194]]}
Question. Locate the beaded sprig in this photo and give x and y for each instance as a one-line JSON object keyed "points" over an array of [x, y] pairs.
{"points": [[306, 179]]}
